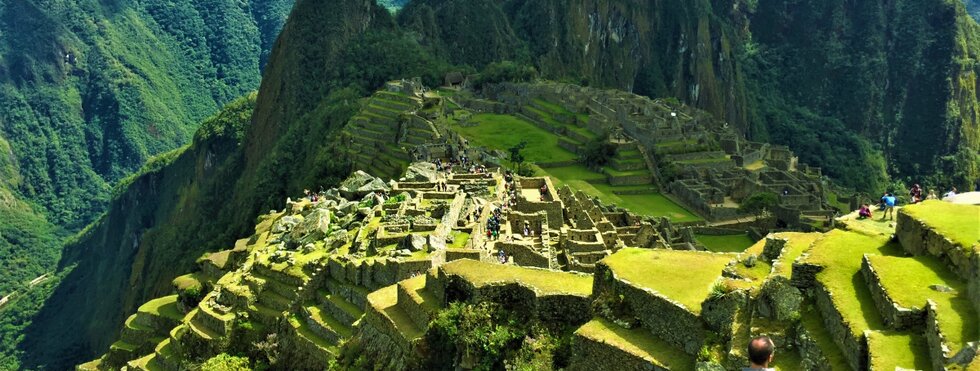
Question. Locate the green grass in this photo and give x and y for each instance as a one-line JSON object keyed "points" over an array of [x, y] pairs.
{"points": [[726, 243], [165, 307], [813, 323], [798, 244], [891, 349], [544, 281], [638, 342], [652, 204], [460, 239], [840, 253], [616, 173], [504, 131], [907, 282], [684, 276], [959, 223]]}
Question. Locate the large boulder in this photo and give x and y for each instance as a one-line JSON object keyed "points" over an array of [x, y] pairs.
{"points": [[359, 184], [375, 185], [421, 172], [413, 242], [314, 227]]}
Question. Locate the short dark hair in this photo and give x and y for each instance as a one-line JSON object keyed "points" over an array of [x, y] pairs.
{"points": [[759, 353]]}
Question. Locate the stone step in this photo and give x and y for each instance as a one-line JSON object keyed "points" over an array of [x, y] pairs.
{"points": [[259, 281], [325, 325], [319, 349], [600, 342], [274, 301], [120, 352], [356, 295], [264, 315], [417, 301], [166, 356], [628, 164], [200, 328], [339, 307], [393, 105]]}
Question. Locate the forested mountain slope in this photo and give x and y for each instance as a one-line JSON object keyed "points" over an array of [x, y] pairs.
{"points": [[868, 90], [89, 91], [851, 101]]}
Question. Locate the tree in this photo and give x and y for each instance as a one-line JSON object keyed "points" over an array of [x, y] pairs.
{"points": [[759, 204], [597, 152]]}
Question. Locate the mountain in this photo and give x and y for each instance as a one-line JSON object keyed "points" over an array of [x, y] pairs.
{"points": [[868, 91], [90, 90], [843, 84]]}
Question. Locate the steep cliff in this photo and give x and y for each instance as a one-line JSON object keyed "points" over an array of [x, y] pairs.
{"points": [[203, 198], [871, 91], [726, 57], [89, 90]]}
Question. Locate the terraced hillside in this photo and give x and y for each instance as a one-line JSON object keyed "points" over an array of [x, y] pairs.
{"points": [[359, 279]]}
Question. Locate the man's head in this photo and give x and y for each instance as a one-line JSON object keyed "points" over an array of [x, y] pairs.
{"points": [[761, 351]]}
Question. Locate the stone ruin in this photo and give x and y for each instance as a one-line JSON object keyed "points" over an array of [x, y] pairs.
{"points": [[373, 262]]}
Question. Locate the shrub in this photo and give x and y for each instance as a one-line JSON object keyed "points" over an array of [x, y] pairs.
{"points": [[225, 362]]}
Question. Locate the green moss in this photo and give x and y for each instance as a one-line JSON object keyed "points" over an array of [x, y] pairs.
{"points": [[891, 350], [907, 281], [659, 270], [638, 342], [543, 281], [957, 222], [726, 243]]}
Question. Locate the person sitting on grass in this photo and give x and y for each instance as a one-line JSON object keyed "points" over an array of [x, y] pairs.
{"points": [[932, 195], [761, 351], [889, 201], [864, 212]]}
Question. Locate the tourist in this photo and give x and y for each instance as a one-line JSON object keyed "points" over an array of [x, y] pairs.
{"points": [[881, 202], [502, 256], [761, 351], [951, 193], [915, 193], [932, 195], [864, 212], [889, 202]]}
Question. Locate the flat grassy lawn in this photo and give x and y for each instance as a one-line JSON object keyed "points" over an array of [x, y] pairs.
{"points": [[637, 341], [544, 281], [960, 223], [726, 243], [907, 282], [684, 276], [840, 253], [504, 131], [652, 204], [890, 350]]}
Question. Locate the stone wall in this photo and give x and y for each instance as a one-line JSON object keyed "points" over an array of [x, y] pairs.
{"points": [[853, 346], [525, 255], [895, 316], [665, 318], [918, 239], [592, 355]]}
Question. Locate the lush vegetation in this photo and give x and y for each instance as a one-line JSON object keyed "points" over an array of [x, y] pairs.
{"points": [[503, 132], [90, 91], [488, 336]]}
